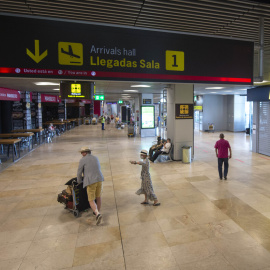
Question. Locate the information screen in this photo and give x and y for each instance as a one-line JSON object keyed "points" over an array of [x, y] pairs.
{"points": [[147, 117]]}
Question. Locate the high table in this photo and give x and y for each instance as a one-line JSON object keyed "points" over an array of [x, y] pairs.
{"points": [[19, 135], [73, 122], [37, 131], [58, 123], [67, 122], [11, 142]]}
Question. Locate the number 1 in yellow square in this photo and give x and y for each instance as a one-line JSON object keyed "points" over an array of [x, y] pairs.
{"points": [[175, 60]]}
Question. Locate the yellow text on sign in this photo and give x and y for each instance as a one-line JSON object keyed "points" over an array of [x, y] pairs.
{"points": [[70, 53], [184, 109], [175, 60]]}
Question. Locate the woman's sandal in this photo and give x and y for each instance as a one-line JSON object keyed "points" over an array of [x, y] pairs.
{"points": [[145, 203], [156, 204]]}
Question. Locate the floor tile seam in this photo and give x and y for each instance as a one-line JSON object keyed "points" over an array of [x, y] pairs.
{"points": [[34, 237], [219, 252], [224, 253], [256, 212], [249, 230], [47, 252], [97, 244], [120, 233]]}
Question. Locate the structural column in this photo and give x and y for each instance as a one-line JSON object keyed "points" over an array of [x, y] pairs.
{"points": [[180, 131]]}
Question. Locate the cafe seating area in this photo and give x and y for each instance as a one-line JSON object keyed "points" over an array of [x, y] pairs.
{"points": [[19, 142]]}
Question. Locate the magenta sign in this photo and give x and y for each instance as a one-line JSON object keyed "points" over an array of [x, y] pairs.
{"points": [[50, 98], [9, 94], [86, 101]]}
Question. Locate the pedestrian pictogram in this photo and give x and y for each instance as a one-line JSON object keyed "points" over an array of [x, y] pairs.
{"points": [[36, 57], [70, 53], [76, 89], [184, 109]]}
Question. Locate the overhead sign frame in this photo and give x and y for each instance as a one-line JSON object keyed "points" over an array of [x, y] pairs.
{"points": [[45, 49]]}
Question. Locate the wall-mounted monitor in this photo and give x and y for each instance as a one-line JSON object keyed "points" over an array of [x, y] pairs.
{"points": [[76, 90], [147, 117]]}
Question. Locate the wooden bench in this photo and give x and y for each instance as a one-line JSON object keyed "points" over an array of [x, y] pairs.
{"points": [[27, 135], [27, 130], [11, 142], [37, 131]]}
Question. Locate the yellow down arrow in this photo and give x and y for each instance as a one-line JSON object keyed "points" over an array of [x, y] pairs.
{"points": [[36, 57]]}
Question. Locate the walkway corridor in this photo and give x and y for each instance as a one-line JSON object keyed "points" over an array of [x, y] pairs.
{"points": [[202, 223]]}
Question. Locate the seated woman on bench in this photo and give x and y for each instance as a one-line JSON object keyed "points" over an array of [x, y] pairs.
{"points": [[164, 150], [155, 148]]}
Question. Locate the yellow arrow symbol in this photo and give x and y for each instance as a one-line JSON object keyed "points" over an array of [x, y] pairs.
{"points": [[36, 57]]}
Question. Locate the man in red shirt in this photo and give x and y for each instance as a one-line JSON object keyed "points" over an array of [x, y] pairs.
{"points": [[221, 148]]}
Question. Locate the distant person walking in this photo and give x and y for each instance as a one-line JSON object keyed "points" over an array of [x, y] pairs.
{"points": [[90, 174], [146, 185], [221, 147]]}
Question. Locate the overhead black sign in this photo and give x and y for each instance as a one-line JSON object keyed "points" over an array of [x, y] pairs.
{"points": [[183, 111], [147, 101], [56, 49], [261, 93]]}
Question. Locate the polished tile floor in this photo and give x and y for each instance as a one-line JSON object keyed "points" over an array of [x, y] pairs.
{"points": [[202, 223]]}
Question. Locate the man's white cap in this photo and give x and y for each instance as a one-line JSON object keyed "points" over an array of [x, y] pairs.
{"points": [[85, 149]]}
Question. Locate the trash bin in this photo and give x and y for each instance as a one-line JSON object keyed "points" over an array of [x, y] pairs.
{"points": [[186, 154]]}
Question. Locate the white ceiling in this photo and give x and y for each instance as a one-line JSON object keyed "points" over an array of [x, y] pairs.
{"points": [[114, 90]]}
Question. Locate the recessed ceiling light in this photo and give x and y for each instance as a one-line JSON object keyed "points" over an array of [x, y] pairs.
{"points": [[215, 88], [125, 94], [56, 89], [261, 82], [213, 92], [228, 91], [140, 85], [130, 90], [46, 83]]}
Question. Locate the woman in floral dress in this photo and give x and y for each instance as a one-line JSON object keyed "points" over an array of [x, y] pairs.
{"points": [[146, 185]]}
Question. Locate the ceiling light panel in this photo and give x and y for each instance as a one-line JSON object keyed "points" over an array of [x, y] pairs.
{"points": [[140, 85], [45, 83], [215, 88], [131, 91]]}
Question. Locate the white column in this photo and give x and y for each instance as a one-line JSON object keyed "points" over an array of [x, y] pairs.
{"points": [[180, 131]]}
